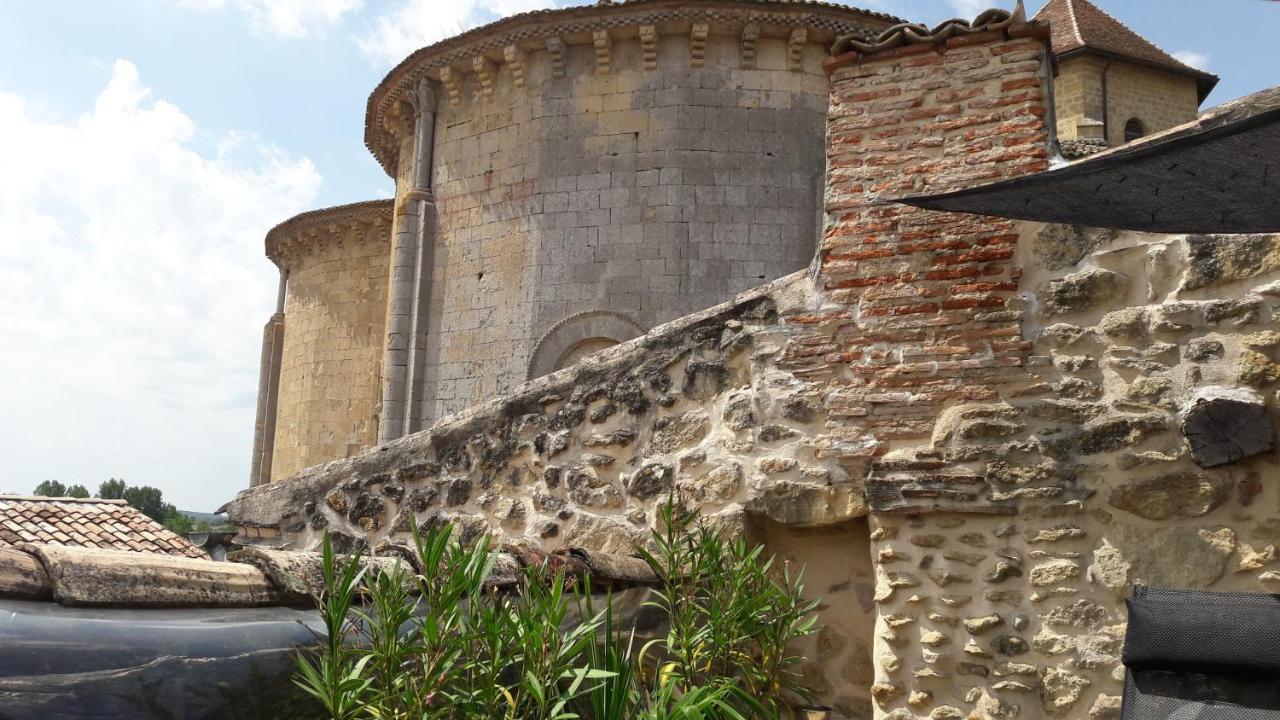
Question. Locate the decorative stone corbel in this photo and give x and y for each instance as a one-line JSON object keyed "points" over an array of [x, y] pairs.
{"points": [[514, 58], [452, 85], [398, 120], [795, 48], [484, 71], [750, 36], [555, 52], [698, 44], [649, 45], [604, 50]]}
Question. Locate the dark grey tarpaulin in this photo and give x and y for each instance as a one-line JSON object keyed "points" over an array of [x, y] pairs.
{"points": [[1193, 655], [1218, 174]]}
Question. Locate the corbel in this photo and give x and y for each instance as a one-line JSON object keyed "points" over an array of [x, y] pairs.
{"points": [[795, 48], [555, 51], [484, 71], [452, 85], [604, 50], [750, 36], [698, 44], [649, 45], [514, 58]]}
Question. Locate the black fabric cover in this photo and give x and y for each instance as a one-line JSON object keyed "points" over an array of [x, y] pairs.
{"points": [[1193, 655], [1220, 174]]}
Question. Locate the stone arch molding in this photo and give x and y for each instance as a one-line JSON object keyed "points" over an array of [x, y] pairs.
{"points": [[578, 331]]}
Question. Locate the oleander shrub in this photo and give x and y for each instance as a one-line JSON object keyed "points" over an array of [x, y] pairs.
{"points": [[446, 645]]}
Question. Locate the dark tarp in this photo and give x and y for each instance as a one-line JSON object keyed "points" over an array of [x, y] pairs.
{"points": [[1218, 174], [1202, 656]]}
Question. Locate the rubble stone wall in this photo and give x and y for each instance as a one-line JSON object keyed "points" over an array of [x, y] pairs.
{"points": [[977, 433]]}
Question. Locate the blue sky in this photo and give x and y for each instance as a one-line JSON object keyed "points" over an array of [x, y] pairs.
{"points": [[147, 145]]}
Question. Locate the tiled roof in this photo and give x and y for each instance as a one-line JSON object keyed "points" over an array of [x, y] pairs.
{"points": [[88, 522], [1079, 25]]}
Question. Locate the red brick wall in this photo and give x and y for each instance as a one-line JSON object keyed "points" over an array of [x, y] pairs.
{"points": [[920, 313]]}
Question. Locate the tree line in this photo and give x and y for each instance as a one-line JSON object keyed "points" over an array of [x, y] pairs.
{"points": [[148, 500]]}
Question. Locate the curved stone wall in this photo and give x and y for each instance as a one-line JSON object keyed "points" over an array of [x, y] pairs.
{"points": [[651, 170], [335, 312]]}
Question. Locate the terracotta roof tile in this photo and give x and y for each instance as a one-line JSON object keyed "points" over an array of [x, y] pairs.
{"points": [[1079, 25], [90, 522]]}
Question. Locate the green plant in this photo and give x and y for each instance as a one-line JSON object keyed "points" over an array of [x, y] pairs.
{"points": [[444, 644], [732, 615]]}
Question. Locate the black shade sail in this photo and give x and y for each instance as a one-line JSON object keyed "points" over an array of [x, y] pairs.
{"points": [[1217, 174], [1192, 655]]}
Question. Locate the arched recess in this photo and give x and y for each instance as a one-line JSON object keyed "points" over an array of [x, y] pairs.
{"points": [[1134, 129], [580, 335]]}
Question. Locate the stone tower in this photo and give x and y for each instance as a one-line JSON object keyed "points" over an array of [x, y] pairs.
{"points": [[565, 181], [1114, 85]]}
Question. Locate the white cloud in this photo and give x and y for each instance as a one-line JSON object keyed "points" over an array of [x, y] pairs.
{"points": [[412, 24], [134, 289], [1195, 59], [970, 9], [287, 19]]}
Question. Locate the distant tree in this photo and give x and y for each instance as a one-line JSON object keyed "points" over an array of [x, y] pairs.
{"points": [[150, 501], [51, 488], [179, 523], [78, 491], [112, 489]]}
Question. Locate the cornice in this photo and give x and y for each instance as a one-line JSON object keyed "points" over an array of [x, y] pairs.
{"points": [[312, 229], [506, 43]]}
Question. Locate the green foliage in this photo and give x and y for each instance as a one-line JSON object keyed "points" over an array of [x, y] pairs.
{"points": [[112, 489], [732, 616], [445, 645], [78, 491], [51, 488], [179, 523]]}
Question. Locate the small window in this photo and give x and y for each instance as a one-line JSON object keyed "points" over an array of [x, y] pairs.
{"points": [[1134, 129]]}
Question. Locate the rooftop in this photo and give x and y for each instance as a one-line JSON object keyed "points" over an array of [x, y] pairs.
{"points": [[1079, 26], [87, 523]]}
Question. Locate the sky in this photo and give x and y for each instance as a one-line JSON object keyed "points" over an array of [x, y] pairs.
{"points": [[146, 146]]}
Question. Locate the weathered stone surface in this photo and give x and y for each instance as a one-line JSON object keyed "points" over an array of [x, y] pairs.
{"points": [[680, 431], [1083, 614], [1223, 425], [1126, 324], [1115, 432], [798, 503], [1181, 494], [1105, 707], [605, 534], [738, 414], [1062, 689], [1010, 645], [718, 486], [1082, 291], [1220, 259], [652, 479], [1176, 556], [1054, 572], [1061, 246], [1254, 368], [1201, 350], [979, 625]]}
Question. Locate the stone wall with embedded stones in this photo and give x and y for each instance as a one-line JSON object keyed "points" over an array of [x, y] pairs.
{"points": [[979, 433], [584, 457]]}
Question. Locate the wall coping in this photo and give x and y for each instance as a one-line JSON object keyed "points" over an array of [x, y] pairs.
{"points": [[261, 506]]}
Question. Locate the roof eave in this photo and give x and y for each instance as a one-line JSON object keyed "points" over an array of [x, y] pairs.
{"points": [[1205, 81]]}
